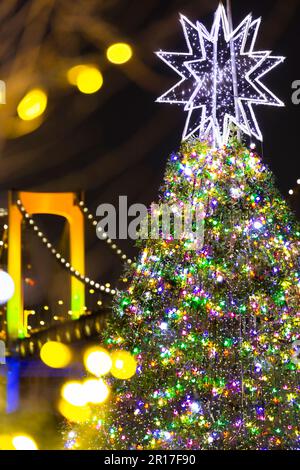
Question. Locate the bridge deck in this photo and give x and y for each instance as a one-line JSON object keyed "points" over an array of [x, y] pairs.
{"points": [[67, 332]]}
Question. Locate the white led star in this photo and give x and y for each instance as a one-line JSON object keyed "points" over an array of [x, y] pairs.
{"points": [[220, 78]]}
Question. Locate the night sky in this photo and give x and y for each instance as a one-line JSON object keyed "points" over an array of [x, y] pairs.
{"points": [[117, 142]]}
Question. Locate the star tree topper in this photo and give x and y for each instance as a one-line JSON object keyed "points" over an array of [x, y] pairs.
{"points": [[220, 78]]}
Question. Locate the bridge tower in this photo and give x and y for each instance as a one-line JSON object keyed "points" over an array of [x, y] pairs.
{"points": [[62, 204]]}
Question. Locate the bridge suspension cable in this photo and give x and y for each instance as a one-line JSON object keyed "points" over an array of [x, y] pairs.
{"points": [[102, 235], [105, 289]]}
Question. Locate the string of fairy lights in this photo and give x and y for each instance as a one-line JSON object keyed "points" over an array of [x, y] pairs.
{"points": [[292, 191], [3, 243], [104, 288], [93, 285], [102, 235]]}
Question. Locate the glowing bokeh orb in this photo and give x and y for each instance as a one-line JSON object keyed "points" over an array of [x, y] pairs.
{"points": [[97, 361], [7, 287], [119, 53], [73, 393], [89, 80], [75, 414], [95, 391], [73, 73], [56, 355], [24, 443], [32, 105], [123, 365]]}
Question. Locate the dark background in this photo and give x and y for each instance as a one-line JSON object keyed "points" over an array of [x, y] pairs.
{"points": [[117, 141]]}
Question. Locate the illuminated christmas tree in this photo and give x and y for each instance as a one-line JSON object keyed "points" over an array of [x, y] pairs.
{"points": [[212, 329]]}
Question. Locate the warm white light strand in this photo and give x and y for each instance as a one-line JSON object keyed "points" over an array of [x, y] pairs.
{"points": [[105, 289], [3, 212], [291, 191], [114, 247]]}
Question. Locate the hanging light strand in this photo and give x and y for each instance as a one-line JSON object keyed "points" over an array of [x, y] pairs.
{"points": [[59, 258], [3, 242], [103, 236], [3, 212]]}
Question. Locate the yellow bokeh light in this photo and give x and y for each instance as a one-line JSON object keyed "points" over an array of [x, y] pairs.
{"points": [[97, 361], [32, 105], [73, 73], [73, 393], [89, 80], [123, 365], [119, 53], [6, 442], [73, 413], [24, 443], [95, 391], [56, 355]]}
